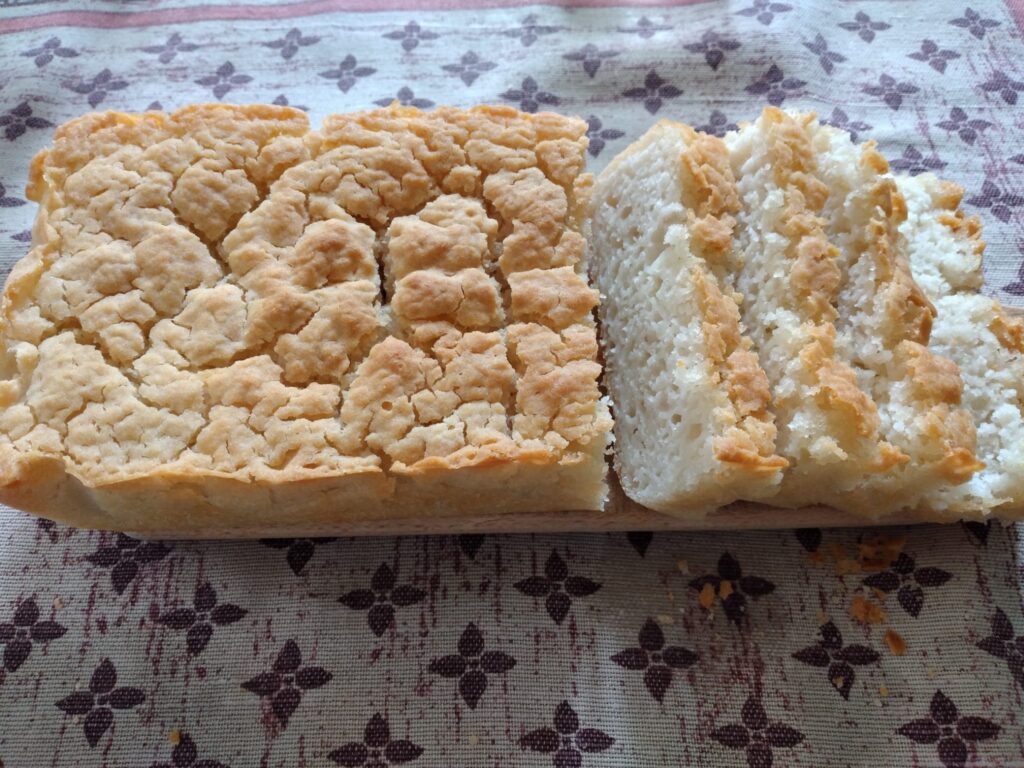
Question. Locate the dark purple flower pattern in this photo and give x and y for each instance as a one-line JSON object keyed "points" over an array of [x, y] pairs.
{"points": [[299, 551], [24, 630], [43, 54], [97, 704], [282, 101], [597, 136], [774, 86], [639, 540], [948, 730], [977, 531], [714, 47], [764, 10], [377, 749], [935, 57], [19, 119], [809, 538], [471, 665], [590, 56], [470, 544], [1002, 644], [469, 67], [529, 97], [864, 26], [654, 92], [567, 742], [529, 31], [411, 35], [1014, 289], [656, 661], [908, 582], [742, 587], [47, 526], [839, 119], [996, 201], [382, 598], [912, 161], [1004, 85], [170, 48], [406, 98], [756, 735], [347, 73], [290, 43], [967, 129], [8, 201], [186, 755], [718, 124], [974, 23], [829, 652], [99, 87], [126, 558], [891, 91], [826, 58], [200, 620], [558, 587], [22, 237], [224, 80], [286, 682], [645, 28], [1018, 159]]}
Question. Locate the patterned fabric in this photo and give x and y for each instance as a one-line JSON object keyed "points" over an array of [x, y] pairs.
{"points": [[802, 648]]}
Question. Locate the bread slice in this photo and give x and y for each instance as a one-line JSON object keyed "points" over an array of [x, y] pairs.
{"points": [[199, 338], [693, 430], [974, 331], [791, 280], [884, 321]]}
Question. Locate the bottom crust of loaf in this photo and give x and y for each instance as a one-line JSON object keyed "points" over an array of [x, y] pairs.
{"points": [[195, 505]]}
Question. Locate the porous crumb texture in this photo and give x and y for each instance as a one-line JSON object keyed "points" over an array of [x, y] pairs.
{"points": [[974, 332], [389, 314], [799, 263]]}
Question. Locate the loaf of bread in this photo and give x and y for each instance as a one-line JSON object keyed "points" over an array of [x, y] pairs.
{"points": [[229, 320], [797, 237]]}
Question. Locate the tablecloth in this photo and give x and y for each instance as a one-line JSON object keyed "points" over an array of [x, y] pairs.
{"points": [[798, 648]]}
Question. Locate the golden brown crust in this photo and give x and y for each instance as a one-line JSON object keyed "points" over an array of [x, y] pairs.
{"points": [[814, 273], [203, 298], [837, 383], [1008, 330]]}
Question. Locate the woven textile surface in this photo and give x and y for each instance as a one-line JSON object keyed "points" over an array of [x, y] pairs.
{"points": [[797, 648]]}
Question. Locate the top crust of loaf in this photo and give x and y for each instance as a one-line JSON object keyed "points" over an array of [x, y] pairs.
{"points": [[203, 298]]}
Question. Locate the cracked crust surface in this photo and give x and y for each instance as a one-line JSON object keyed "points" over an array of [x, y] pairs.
{"points": [[223, 306]]}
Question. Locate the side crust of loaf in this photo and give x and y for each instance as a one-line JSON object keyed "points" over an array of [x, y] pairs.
{"points": [[201, 328]]}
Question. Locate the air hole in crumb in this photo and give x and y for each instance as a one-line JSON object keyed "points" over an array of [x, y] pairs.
{"points": [[696, 430], [676, 418], [386, 405]]}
